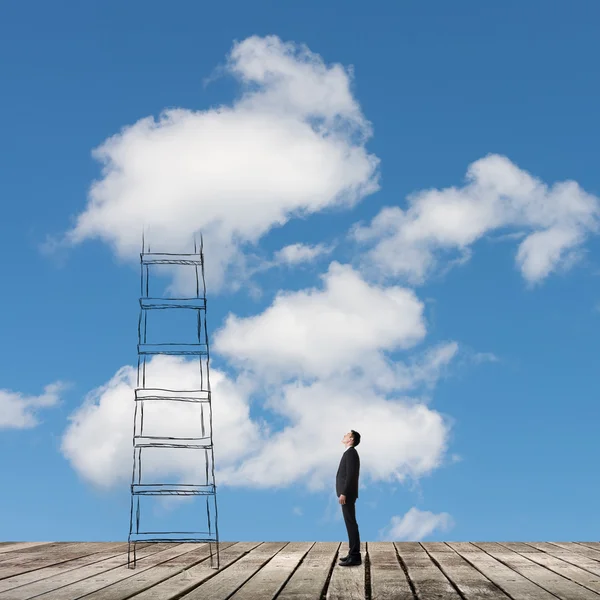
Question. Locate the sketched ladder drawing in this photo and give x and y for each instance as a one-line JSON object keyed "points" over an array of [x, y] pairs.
{"points": [[191, 401]]}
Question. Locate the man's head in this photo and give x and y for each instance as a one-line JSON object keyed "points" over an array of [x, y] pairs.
{"points": [[352, 438]]}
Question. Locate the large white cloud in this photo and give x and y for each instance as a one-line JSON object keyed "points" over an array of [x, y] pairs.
{"points": [[318, 333], [554, 219], [315, 396], [20, 411], [292, 144], [401, 438], [98, 439]]}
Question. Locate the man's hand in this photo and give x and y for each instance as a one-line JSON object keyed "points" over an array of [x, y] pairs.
{"points": [[342, 499]]}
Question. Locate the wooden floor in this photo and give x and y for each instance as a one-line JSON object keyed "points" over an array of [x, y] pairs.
{"points": [[301, 571]]}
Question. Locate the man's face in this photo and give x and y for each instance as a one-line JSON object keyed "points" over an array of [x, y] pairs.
{"points": [[347, 439]]}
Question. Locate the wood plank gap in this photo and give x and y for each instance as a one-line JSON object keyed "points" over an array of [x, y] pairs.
{"points": [[583, 550], [562, 568], [544, 568], [30, 564], [323, 595], [592, 545], [470, 581], [572, 558], [51, 586], [229, 581], [411, 583], [509, 567], [278, 592], [367, 573], [271, 578], [16, 546], [262, 566], [45, 572], [310, 578], [157, 575], [439, 566], [174, 588], [541, 592]]}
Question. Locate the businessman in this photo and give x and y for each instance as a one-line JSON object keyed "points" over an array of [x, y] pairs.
{"points": [[346, 488]]}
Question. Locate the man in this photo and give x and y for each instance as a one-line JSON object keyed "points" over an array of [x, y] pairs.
{"points": [[346, 488]]}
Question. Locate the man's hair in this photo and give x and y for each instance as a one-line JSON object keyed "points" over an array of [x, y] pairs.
{"points": [[355, 437]]}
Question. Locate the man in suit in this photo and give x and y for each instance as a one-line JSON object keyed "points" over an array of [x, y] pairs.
{"points": [[346, 488]]}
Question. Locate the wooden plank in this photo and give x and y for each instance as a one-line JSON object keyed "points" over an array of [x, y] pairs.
{"points": [[519, 547], [388, 579], [225, 582], [193, 576], [550, 581], [463, 547], [436, 547], [76, 583], [588, 564], [309, 580], [49, 555], [594, 545], [37, 574], [427, 579], [469, 581], [408, 546], [272, 577], [556, 565], [157, 574], [13, 546], [566, 554], [24, 554], [347, 583], [512, 583], [583, 550]]}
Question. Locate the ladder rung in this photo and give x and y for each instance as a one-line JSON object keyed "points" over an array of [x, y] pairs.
{"points": [[179, 349], [153, 441], [155, 258], [162, 303], [172, 395], [172, 489]]}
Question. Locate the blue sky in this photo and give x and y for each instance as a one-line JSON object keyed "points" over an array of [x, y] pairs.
{"points": [[452, 321]]}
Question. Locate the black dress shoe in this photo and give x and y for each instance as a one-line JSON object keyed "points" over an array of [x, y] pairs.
{"points": [[351, 562], [345, 558]]}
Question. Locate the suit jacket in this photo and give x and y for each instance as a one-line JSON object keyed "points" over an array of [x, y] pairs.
{"points": [[346, 479]]}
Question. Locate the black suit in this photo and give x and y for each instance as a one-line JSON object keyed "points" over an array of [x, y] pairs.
{"points": [[346, 483]]}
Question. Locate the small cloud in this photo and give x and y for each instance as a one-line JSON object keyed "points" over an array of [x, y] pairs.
{"points": [[482, 357], [415, 525], [18, 411], [300, 253], [297, 511]]}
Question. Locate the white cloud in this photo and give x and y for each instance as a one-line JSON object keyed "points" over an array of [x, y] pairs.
{"points": [[557, 220], [298, 253], [415, 525], [482, 357], [400, 439], [19, 411], [314, 360], [98, 440], [317, 333], [292, 144]]}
